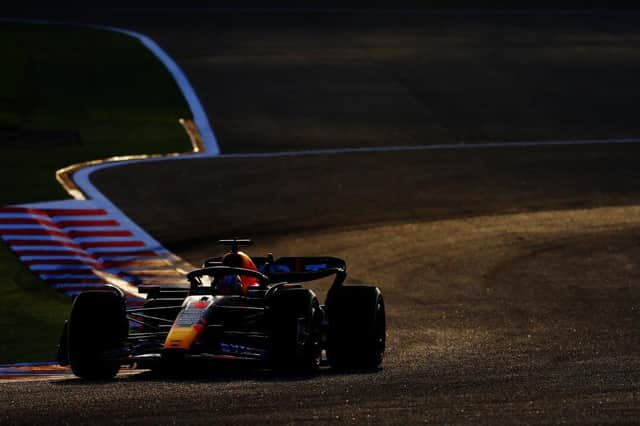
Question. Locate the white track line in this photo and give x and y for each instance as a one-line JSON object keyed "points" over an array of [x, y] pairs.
{"points": [[95, 197], [434, 147], [81, 178], [197, 110]]}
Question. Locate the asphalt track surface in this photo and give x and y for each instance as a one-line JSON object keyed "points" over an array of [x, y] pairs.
{"points": [[510, 275]]}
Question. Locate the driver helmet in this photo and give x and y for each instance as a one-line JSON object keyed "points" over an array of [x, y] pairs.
{"points": [[229, 284], [241, 260]]}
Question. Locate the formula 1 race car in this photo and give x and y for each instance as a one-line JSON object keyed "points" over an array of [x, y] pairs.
{"points": [[235, 306]]}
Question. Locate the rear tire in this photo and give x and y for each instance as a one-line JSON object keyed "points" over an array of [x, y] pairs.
{"points": [[357, 327], [294, 318], [97, 331]]}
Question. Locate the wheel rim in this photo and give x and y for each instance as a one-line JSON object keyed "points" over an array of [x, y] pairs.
{"points": [[314, 339], [381, 327]]}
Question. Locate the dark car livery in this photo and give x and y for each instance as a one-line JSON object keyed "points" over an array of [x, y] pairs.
{"points": [[234, 306]]}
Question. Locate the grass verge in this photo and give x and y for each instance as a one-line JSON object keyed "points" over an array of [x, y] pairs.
{"points": [[69, 95], [32, 313]]}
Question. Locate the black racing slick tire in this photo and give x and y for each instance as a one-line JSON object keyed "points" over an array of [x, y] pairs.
{"points": [[96, 333], [294, 319], [357, 327]]}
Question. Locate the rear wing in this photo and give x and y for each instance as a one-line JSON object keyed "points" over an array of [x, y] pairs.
{"points": [[296, 269], [308, 264], [302, 269]]}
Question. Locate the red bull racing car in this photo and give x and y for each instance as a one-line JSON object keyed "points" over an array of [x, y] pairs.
{"points": [[234, 306]]}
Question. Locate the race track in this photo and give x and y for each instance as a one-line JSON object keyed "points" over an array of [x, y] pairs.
{"points": [[510, 274]]}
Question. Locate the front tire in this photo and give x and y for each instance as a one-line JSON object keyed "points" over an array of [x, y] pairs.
{"points": [[96, 334], [294, 322]]}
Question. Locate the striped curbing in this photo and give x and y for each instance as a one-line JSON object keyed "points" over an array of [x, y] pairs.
{"points": [[87, 243], [80, 247]]}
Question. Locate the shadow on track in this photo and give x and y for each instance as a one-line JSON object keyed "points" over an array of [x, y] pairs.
{"points": [[221, 371]]}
